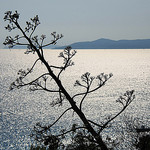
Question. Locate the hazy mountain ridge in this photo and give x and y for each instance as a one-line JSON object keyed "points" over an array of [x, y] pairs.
{"points": [[102, 44], [111, 44]]}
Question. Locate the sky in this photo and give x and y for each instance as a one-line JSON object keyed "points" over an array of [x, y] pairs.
{"points": [[83, 20]]}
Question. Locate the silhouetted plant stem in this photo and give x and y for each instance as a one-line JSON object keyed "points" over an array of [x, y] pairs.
{"points": [[36, 46]]}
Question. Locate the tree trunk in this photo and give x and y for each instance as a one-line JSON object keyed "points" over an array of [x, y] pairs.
{"points": [[90, 129], [76, 109]]}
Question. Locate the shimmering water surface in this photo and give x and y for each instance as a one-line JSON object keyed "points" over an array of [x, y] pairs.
{"points": [[21, 109]]}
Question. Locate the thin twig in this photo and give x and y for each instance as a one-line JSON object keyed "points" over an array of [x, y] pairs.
{"points": [[58, 118], [79, 94], [71, 131], [95, 123]]}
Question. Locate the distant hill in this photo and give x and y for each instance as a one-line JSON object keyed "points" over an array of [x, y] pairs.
{"points": [[103, 44], [111, 44], [25, 47]]}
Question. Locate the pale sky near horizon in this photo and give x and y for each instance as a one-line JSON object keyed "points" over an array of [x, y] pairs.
{"points": [[83, 20]]}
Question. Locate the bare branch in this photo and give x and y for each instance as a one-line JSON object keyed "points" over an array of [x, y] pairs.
{"points": [[95, 123], [124, 100], [84, 98], [67, 56], [71, 130], [49, 126], [59, 117], [42, 88], [77, 83], [43, 37], [11, 42], [54, 41], [30, 70], [36, 22], [127, 100], [51, 43], [102, 78], [12, 18], [18, 83], [88, 81], [51, 66]]}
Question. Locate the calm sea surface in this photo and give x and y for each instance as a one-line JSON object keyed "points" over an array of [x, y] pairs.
{"points": [[21, 109]]}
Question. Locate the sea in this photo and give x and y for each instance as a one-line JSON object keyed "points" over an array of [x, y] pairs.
{"points": [[21, 109]]}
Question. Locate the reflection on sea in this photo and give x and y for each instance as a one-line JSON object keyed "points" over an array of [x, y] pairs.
{"points": [[21, 109]]}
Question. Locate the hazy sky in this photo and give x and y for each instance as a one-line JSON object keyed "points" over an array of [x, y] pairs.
{"points": [[83, 20]]}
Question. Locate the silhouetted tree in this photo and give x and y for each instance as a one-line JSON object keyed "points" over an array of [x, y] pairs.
{"points": [[35, 44]]}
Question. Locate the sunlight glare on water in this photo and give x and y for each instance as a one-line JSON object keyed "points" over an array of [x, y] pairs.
{"points": [[21, 109]]}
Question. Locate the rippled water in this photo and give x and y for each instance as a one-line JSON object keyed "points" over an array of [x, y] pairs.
{"points": [[21, 109]]}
